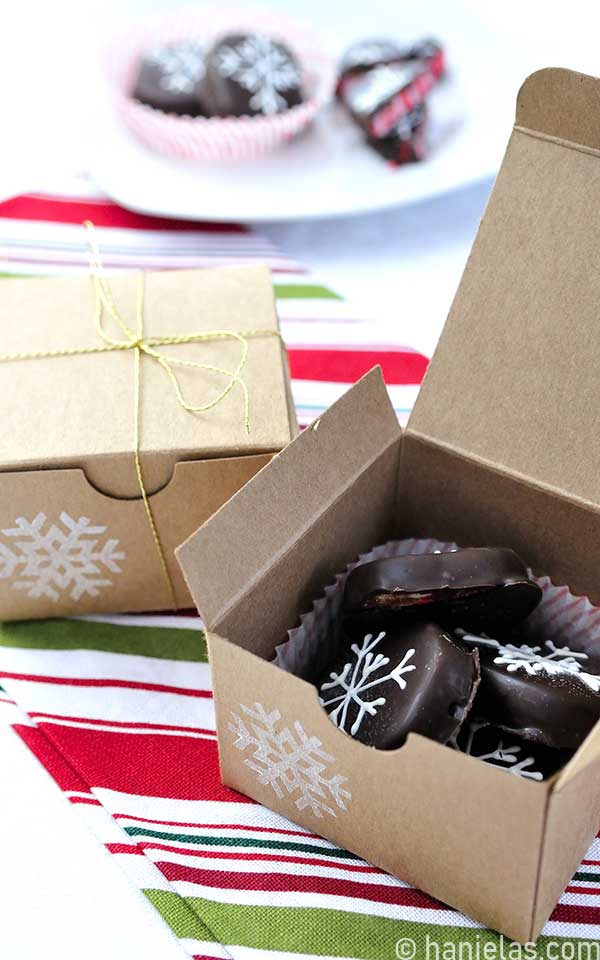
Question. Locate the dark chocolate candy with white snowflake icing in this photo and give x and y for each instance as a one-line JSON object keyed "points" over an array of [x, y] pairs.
{"points": [[170, 79], [542, 692], [477, 588], [530, 761], [385, 685], [251, 74]]}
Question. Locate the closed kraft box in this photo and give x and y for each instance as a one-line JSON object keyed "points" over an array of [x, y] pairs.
{"points": [[74, 534], [501, 449]]}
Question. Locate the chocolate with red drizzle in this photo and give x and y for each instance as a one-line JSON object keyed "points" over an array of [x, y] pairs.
{"points": [[479, 588]]}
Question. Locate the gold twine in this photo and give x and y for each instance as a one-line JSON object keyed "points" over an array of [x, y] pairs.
{"points": [[141, 345]]}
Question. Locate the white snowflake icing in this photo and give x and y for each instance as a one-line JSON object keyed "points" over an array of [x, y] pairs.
{"points": [[181, 66], [555, 662], [506, 758], [290, 761], [50, 560], [263, 68], [355, 681]]}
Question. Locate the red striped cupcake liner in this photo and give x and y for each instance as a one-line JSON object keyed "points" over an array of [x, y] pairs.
{"points": [[561, 616], [217, 139]]}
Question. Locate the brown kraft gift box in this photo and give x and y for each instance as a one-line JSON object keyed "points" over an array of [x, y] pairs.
{"points": [[502, 449], [74, 534]]}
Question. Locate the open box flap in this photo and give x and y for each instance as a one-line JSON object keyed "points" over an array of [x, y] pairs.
{"points": [[515, 379], [225, 557]]}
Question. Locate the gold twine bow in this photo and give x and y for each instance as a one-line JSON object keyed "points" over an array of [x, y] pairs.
{"points": [[142, 345]]}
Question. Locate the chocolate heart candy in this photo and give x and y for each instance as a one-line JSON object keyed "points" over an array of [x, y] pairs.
{"points": [[480, 588], [364, 55], [249, 74], [406, 143], [169, 78], [543, 693], [507, 752], [387, 684]]}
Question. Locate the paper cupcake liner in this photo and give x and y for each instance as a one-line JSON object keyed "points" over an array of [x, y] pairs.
{"points": [[561, 616], [217, 139]]}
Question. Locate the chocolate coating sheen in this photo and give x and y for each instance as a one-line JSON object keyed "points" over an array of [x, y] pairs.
{"points": [[170, 78], [501, 749], [385, 685], [251, 74], [479, 589], [545, 694]]}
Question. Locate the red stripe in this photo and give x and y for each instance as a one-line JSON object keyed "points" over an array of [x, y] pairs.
{"points": [[290, 883], [103, 213], [124, 848], [46, 753], [91, 682], [90, 801], [125, 724], [257, 856], [586, 891], [572, 913], [346, 366], [174, 767]]}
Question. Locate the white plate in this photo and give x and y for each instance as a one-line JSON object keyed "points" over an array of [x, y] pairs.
{"points": [[329, 171]]}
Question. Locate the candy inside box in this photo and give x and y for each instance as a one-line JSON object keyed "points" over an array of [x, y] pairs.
{"points": [[501, 449]]}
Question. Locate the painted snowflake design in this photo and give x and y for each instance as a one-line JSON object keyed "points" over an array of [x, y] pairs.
{"points": [[355, 680], [51, 560], [290, 761], [263, 68], [554, 662], [181, 66], [506, 758]]}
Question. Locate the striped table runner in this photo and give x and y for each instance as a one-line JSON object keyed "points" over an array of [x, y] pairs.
{"points": [[119, 709]]}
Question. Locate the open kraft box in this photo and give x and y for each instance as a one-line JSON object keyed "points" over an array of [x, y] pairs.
{"points": [[501, 449]]}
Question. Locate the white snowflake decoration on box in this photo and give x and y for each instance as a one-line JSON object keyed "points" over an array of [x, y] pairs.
{"points": [[505, 758], [263, 68], [555, 662], [50, 560], [356, 679], [181, 66], [290, 761]]}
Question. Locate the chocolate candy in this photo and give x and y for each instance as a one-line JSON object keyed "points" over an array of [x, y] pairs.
{"points": [[507, 752], [169, 79], [379, 98], [476, 589], [388, 684], [363, 56], [546, 694], [249, 74], [407, 142]]}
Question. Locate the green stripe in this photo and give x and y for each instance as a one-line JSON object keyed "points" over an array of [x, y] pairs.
{"points": [[241, 842], [587, 876], [304, 291], [338, 933], [179, 915], [161, 642]]}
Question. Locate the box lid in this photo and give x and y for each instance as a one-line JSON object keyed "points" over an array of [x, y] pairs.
{"points": [[78, 411], [515, 379]]}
